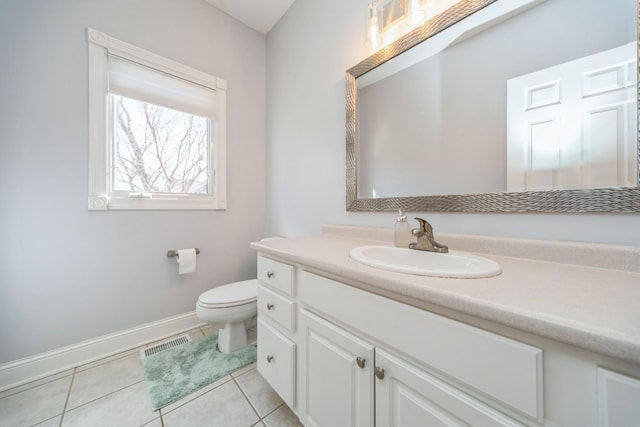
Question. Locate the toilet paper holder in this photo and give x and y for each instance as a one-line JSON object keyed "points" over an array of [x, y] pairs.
{"points": [[174, 253]]}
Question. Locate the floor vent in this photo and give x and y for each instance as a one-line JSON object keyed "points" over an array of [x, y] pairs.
{"points": [[164, 346]]}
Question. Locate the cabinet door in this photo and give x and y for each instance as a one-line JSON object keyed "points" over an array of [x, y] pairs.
{"points": [[618, 399], [337, 382], [276, 361], [407, 396]]}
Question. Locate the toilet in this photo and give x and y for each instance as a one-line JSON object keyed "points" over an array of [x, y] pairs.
{"points": [[235, 306]]}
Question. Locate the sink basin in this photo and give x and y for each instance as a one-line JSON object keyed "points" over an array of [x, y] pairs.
{"points": [[401, 260]]}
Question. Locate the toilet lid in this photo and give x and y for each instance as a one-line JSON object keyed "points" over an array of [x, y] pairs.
{"points": [[230, 295]]}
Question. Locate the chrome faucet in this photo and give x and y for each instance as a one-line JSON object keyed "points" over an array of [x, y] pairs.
{"points": [[425, 241]]}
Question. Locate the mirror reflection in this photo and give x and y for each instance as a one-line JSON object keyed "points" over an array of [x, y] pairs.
{"points": [[542, 99]]}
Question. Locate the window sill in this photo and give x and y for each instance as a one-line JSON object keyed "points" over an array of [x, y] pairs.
{"points": [[104, 203]]}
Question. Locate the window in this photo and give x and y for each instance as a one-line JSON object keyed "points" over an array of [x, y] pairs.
{"points": [[157, 131]]}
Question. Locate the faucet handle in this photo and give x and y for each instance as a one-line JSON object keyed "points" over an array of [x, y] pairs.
{"points": [[425, 226]]}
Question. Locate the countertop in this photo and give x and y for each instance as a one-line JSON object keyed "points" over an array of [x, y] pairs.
{"points": [[594, 308]]}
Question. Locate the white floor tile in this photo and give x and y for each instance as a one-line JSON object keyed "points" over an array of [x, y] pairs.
{"points": [[109, 359], [195, 333], [154, 423], [223, 406], [261, 395], [36, 404], [243, 370], [209, 329], [51, 422], [127, 407], [105, 378], [36, 383], [195, 394], [282, 417]]}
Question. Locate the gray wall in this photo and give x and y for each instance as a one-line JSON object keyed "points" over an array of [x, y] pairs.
{"points": [[67, 274], [308, 53]]}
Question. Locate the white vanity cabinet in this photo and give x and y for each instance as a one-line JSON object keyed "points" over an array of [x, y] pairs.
{"points": [[276, 325], [355, 364], [341, 355]]}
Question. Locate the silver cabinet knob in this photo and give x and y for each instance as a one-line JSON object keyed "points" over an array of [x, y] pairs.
{"points": [[270, 306], [269, 359], [379, 373], [270, 274], [360, 362]]}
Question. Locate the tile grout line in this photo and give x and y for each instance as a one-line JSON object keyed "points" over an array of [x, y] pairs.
{"points": [[274, 410], [66, 401], [108, 359], [247, 397], [30, 385], [103, 396], [199, 396], [160, 417]]}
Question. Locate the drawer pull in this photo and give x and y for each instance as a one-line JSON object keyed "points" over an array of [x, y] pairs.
{"points": [[270, 306], [270, 274], [379, 373], [360, 362], [269, 358]]}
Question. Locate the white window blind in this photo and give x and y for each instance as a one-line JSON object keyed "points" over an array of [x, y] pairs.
{"points": [[133, 80]]}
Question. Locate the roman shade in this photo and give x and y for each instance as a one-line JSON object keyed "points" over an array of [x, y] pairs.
{"points": [[143, 83]]}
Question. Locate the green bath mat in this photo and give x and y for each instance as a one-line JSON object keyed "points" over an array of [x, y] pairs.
{"points": [[172, 374]]}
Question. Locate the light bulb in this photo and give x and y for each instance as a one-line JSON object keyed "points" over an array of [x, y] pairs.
{"points": [[373, 27], [414, 12]]}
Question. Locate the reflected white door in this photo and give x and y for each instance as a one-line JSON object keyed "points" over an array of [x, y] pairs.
{"points": [[574, 125]]}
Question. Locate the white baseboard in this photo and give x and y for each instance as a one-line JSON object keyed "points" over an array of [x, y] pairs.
{"points": [[32, 368]]}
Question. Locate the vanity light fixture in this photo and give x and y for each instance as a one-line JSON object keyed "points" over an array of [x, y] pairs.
{"points": [[374, 33], [387, 20]]}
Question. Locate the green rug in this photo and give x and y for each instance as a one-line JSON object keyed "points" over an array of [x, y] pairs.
{"points": [[172, 374]]}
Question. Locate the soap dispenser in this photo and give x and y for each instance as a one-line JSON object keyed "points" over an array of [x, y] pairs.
{"points": [[401, 232]]}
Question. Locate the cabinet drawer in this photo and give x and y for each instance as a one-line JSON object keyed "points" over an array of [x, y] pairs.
{"points": [[276, 361], [276, 274], [508, 371], [276, 307]]}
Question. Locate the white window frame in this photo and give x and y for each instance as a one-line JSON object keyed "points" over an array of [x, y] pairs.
{"points": [[101, 196]]}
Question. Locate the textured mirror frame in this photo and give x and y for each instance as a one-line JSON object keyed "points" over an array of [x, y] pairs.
{"points": [[618, 199]]}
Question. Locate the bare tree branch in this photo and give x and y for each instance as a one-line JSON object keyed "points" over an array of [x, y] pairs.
{"points": [[160, 149]]}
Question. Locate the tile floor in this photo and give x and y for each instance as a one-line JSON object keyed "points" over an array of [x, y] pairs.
{"points": [[111, 392]]}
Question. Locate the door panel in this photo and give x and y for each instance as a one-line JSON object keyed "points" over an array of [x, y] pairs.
{"points": [[408, 396], [337, 391]]}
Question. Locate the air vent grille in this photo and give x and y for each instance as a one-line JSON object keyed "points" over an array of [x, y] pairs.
{"points": [[165, 346]]}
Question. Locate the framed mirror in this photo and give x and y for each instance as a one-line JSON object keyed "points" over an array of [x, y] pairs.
{"points": [[500, 106]]}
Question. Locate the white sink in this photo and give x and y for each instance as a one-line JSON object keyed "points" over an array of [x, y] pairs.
{"points": [[401, 260]]}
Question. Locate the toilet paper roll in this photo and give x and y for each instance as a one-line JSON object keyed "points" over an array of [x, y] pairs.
{"points": [[186, 261]]}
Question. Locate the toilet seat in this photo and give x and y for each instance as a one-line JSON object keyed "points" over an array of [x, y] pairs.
{"points": [[231, 295]]}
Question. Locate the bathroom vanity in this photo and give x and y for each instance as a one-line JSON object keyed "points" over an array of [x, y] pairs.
{"points": [[553, 340]]}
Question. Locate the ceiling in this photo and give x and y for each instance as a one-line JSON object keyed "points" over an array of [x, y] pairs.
{"points": [[261, 15]]}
